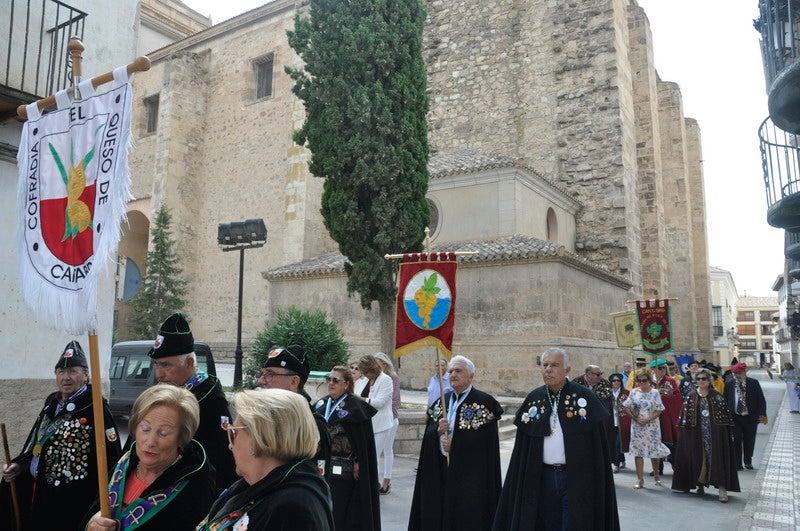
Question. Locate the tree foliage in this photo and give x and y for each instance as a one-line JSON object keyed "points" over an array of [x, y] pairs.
{"points": [[163, 290], [322, 341], [363, 86]]}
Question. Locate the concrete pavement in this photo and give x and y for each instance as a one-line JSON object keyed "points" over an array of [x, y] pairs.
{"points": [[767, 500]]}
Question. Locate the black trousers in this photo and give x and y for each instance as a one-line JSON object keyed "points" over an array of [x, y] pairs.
{"points": [[744, 438]]}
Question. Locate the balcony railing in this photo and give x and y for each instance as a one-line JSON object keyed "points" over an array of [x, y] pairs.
{"points": [[780, 163], [779, 26], [37, 33]]}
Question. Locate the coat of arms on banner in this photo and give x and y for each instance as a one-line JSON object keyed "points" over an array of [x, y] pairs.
{"points": [[426, 303], [654, 325], [73, 186]]}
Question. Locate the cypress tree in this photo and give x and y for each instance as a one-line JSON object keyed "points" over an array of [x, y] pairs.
{"points": [[364, 89], [163, 290]]}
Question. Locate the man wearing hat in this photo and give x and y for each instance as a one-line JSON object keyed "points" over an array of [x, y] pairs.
{"points": [[55, 476], [176, 364], [288, 368], [748, 407]]}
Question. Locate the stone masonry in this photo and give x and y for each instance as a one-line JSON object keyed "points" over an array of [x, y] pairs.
{"points": [[567, 90]]}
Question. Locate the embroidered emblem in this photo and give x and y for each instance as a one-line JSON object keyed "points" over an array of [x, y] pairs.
{"points": [[159, 340], [342, 413], [435, 411], [111, 434], [241, 525], [525, 418], [473, 416]]}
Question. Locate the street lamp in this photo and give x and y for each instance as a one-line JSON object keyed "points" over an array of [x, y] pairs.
{"points": [[238, 236]]}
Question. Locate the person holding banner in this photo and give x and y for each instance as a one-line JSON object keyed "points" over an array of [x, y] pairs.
{"points": [[164, 464], [56, 473], [458, 477]]}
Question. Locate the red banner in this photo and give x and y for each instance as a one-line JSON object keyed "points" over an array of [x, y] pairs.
{"points": [[426, 303], [654, 325]]}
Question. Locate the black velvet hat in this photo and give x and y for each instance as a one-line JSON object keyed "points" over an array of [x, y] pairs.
{"points": [[292, 358], [174, 338], [72, 356]]}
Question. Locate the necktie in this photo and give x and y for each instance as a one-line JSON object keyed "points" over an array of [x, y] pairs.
{"points": [[741, 405]]}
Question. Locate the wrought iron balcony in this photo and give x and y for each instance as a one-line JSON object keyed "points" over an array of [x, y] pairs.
{"points": [[779, 26], [791, 246], [794, 268], [780, 162], [35, 33]]}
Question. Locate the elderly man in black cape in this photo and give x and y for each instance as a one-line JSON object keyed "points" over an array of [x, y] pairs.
{"points": [[560, 474], [56, 474], [176, 364], [460, 493], [288, 368]]}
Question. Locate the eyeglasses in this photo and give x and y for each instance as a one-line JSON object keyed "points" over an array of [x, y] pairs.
{"points": [[353, 367], [269, 375], [642, 380], [333, 379], [701, 378], [616, 380], [225, 424], [598, 373]]}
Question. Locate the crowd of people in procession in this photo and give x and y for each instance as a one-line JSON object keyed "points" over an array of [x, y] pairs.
{"points": [[283, 461]]}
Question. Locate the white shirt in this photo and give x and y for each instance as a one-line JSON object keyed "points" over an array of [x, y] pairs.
{"points": [[553, 452]]}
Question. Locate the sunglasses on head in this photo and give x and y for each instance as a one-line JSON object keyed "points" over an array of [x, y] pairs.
{"points": [[333, 379]]}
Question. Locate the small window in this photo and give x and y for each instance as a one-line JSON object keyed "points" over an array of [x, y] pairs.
{"points": [[151, 113], [263, 71], [433, 225], [552, 226]]}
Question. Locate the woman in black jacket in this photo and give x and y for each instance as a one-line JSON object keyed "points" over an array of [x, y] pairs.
{"points": [[165, 480], [273, 439]]}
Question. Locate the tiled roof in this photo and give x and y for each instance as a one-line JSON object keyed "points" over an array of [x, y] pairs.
{"points": [[466, 161], [504, 249]]}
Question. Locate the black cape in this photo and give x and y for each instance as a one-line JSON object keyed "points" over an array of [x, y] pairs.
{"points": [[191, 505], [590, 482], [463, 494], [365, 511], [210, 434], [293, 497], [689, 453], [66, 477]]}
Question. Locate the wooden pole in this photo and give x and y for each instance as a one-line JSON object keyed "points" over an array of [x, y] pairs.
{"points": [[140, 64], [14, 499], [99, 425]]}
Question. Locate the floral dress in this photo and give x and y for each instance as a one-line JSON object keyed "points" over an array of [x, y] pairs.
{"points": [[646, 440]]}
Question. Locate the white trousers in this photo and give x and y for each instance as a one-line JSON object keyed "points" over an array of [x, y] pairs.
{"points": [[794, 402], [384, 442]]}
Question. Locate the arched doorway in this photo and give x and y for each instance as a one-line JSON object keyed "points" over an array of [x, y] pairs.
{"points": [[132, 247]]}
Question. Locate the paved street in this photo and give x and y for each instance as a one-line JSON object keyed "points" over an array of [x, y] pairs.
{"points": [[666, 510]]}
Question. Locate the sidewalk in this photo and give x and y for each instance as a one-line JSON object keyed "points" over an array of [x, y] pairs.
{"points": [[773, 502]]}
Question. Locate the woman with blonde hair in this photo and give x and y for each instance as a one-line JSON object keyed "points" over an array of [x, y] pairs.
{"points": [[388, 443], [644, 406], [273, 439]]}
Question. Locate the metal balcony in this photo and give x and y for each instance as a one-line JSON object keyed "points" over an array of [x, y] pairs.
{"points": [[779, 26], [791, 246], [780, 163], [794, 269], [35, 33]]}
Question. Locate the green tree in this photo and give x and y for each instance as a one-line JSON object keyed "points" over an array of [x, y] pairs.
{"points": [[321, 340], [363, 86], [163, 290]]}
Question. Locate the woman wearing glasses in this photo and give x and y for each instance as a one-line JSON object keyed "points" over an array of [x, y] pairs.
{"points": [[353, 473], [705, 453], [165, 480], [273, 440], [644, 406]]}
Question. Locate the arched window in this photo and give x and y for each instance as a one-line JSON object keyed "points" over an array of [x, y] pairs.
{"points": [[552, 226], [434, 223]]}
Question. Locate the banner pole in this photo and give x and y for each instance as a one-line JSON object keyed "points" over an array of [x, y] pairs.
{"points": [[441, 399], [99, 426], [11, 484]]}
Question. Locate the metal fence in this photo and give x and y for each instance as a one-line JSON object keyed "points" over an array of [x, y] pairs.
{"points": [[780, 161], [37, 33]]}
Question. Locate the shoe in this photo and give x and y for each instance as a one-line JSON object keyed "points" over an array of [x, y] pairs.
{"points": [[616, 469], [701, 490], [622, 466], [749, 467], [386, 489], [657, 481], [639, 484], [651, 473], [723, 495]]}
